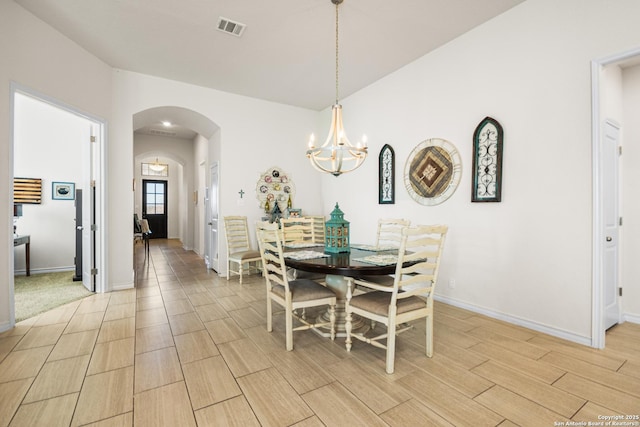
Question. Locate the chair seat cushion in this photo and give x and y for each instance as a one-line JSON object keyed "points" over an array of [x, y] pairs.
{"points": [[245, 255], [378, 302], [304, 290]]}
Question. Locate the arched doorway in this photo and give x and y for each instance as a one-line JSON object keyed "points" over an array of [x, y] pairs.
{"points": [[185, 141]]}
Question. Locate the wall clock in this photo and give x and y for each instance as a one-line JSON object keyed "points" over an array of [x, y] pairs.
{"points": [[386, 176], [486, 183], [432, 172]]}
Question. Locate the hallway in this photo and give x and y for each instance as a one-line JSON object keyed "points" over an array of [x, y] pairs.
{"points": [[188, 348]]}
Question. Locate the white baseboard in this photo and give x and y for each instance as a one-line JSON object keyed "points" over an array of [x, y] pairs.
{"points": [[5, 326], [559, 333], [121, 287], [45, 270], [632, 318]]}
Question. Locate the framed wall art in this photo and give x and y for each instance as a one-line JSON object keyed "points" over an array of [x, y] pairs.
{"points": [[27, 190], [487, 162], [386, 176], [63, 191], [432, 172]]}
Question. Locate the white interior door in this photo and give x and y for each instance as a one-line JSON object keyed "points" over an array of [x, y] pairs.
{"points": [[611, 217], [88, 210], [212, 214]]}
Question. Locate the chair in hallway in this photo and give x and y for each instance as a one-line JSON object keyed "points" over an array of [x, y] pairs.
{"points": [[146, 234], [239, 251], [410, 297], [292, 295]]}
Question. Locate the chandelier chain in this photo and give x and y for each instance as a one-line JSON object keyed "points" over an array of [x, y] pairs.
{"points": [[337, 51]]}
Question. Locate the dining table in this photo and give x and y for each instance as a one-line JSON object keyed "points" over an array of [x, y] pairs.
{"points": [[360, 261]]}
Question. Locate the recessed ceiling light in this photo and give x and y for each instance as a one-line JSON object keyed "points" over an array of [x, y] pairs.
{"points": [[166, 123]]}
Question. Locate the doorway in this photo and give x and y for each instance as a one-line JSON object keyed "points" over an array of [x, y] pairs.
{"points": [[211, 205], [606, 220], [154, 206], [62, 147]]}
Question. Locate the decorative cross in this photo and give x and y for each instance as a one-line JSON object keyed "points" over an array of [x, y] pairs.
{"points": [[241, 193]]}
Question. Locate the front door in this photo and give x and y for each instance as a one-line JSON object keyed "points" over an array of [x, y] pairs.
{"points": [[154, 207]]}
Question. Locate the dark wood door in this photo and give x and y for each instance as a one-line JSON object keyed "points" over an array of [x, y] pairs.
{"points": [[154, 207]]}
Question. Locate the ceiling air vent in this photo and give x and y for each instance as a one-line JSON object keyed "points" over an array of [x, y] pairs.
{"points": [[161, 132], [230, 27]]}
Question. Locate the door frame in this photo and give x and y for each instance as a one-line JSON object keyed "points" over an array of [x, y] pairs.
{"points": [[100, 243], [597, 125]]}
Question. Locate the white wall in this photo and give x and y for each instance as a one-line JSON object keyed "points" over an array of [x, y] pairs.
{"points": [[527, 258], [36, 56], [48, 145], [630, 272]]}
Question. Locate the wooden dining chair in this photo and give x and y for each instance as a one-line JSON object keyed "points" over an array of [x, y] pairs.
{"points": [[294, 295], [410, 297], [300, 231], [318, 228], [388, 236], [239, 251]]}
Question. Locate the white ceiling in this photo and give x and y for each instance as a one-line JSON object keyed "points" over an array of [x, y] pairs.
{"points": [[287, 51]]}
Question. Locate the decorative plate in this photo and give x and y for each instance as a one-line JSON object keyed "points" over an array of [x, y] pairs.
{"points": [[432, 172]]}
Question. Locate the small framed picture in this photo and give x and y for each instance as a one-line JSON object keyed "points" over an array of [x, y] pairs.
{"points": [[63, 191]]}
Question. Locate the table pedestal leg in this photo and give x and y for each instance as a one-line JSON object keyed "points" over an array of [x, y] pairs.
{"points": [[338, 284]]}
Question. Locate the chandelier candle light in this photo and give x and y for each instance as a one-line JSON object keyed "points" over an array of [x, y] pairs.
{"points": [[337, 155]]}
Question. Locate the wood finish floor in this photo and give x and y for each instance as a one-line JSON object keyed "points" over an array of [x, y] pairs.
{"points": [[187, 348]]}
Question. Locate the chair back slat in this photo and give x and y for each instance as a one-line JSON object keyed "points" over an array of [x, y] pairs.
{"points": [[318, 228], [389, 232], [297, 230]]}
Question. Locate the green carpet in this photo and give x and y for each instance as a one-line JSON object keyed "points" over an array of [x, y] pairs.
{"points": [[42, 292]]}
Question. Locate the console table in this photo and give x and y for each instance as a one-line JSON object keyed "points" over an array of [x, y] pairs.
{"points": [[26, 241]]}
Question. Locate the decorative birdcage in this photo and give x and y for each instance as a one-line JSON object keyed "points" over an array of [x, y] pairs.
{"points": [[336, 238]]}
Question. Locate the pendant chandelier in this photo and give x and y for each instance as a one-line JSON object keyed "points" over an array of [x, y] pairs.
{"points": [[157, 167], [337, 155]]}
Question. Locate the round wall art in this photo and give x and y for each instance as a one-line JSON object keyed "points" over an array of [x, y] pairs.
{"points": [[432, 172]]}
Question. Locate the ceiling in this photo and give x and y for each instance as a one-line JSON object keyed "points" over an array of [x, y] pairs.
{"points": [[286, 53]]}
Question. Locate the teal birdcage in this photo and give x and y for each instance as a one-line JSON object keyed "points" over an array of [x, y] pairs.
{"points": [[336, 239]]}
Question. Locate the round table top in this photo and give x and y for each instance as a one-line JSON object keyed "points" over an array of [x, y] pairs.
{"points": [[343, 264]]}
